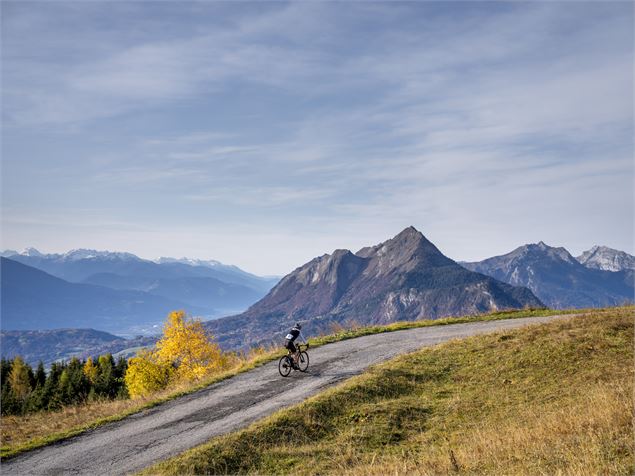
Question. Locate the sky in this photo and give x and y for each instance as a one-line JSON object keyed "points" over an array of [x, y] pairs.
{"points": [[265, 134]]}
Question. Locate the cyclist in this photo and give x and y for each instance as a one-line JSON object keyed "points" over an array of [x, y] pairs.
{"points": [[293, 334]]}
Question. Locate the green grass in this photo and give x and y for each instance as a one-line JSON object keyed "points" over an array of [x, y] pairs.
{"points": [[549, 399], [30, 432]]}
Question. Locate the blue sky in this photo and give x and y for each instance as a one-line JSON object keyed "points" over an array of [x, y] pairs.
{"points": [[265, 134]]}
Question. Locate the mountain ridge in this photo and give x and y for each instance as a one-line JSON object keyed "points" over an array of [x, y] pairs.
{"points": [[403, 278], [35, 300], [557, 278]]}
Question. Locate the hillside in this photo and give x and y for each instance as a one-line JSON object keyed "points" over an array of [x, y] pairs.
{"points": [[549, 399], [33, 299], [404, 278], [557, 278], [49, 346]]}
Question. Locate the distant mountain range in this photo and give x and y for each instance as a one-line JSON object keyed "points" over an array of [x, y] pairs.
{"points": [[404, 278], [82, 265], [562, 281], [118, 292]]}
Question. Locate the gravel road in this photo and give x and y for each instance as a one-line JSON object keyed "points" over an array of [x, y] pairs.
{"points": [[164, 431]]}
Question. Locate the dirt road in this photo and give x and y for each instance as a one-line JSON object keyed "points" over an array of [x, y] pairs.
{"points": [[164, 431]]}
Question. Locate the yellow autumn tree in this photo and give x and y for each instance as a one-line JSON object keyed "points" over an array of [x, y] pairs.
{"points": [[188, 348], [90, 370], [19, 378], [145, 374]]}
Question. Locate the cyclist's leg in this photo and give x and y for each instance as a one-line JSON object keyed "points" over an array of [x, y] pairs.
{"points": [[293, 350]]}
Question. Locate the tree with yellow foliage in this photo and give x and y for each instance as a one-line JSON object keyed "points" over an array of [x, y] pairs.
{"points": [[19, 379], [91, 370], [186, 351], [189, 348], [145, 374]]}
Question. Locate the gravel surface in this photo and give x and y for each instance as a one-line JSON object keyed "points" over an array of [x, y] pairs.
{"points": [[167, 430]]}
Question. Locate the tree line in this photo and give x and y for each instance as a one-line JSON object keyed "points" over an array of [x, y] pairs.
{"points": [[185, 352], [67, 383]]}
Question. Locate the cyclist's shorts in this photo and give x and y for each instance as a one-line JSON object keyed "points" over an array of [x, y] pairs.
{"points": [[290, 345]]}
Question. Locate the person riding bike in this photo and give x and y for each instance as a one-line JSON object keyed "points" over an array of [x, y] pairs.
{"points": [[293, 334]]}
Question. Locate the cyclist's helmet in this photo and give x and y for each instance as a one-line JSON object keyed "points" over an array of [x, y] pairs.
{"points": [[298, 326]]}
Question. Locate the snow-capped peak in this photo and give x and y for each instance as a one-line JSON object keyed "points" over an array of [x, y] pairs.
{"points": [[81, 254], [32, 252], [607, 259], [190, 261]]}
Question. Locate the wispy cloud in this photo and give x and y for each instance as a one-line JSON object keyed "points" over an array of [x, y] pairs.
{"points": [[499, 118]]}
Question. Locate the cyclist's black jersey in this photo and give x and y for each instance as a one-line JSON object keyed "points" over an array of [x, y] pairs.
{"points": [[293, 335]]}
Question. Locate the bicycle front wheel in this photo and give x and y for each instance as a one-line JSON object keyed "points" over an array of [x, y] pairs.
{"points": [[284, 366], [303, 361]]}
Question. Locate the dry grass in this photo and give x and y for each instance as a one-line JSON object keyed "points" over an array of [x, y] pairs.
{"points": [[591, 436], [549, 399]]}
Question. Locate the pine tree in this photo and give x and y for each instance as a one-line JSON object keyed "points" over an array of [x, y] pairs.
{"points": [[5, 369], [40, 375], [52, 396], [78, 386], [106, 384]]}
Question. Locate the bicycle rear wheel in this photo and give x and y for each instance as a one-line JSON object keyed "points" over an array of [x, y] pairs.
{"points": [[285, 366], [303, 361]]}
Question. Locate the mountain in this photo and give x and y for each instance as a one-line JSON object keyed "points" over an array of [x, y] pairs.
{"points": [[208, 293], [33, 299], [404, 278], [215, 288], [61, 344], [607, 259], [78, 265], [557, 278]]}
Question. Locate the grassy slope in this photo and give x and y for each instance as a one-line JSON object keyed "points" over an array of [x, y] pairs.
{"points": [[549, 399], [23, 433]]}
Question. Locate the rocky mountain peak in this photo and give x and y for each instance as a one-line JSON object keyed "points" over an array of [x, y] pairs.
{"points": [[607, 259], [408, 248], [32, 252], [541, 251]]}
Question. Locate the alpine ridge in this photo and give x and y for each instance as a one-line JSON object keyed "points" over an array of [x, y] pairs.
{"points": [[403, 278], [557, 278]]}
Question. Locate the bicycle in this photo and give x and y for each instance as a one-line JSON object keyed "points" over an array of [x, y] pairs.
{"points": [[286, 363]]}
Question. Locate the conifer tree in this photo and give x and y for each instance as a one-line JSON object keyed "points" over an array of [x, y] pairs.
{"points": [[5, 369], [20, 378], [40, 375], [91, 371]]}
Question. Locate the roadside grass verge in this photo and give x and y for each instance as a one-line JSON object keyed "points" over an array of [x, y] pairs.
{"points": [[24, 433], [555, 398]]}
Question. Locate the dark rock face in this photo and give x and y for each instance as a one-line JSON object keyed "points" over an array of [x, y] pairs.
{"points": [[557, 278], [404, 278]]}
